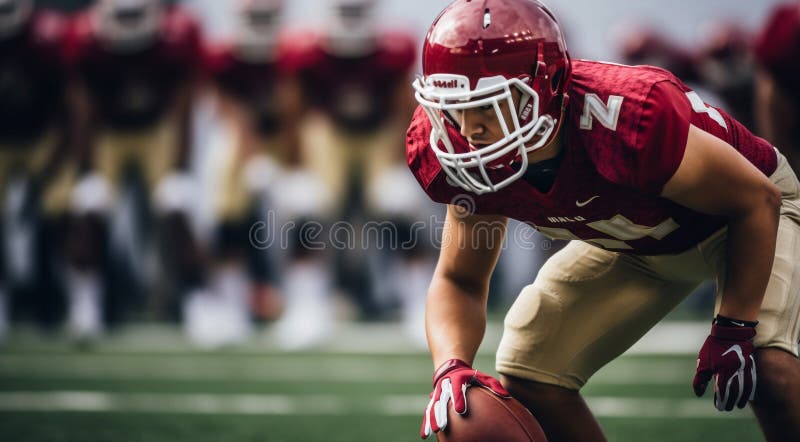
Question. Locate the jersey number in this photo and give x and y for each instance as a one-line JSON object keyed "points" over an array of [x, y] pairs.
{"points": [[620, 228], [617, 227], [606, 113], [700, 107]]}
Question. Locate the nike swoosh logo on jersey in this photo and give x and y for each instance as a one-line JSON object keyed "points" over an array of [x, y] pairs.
{"points": [[581, 204]]}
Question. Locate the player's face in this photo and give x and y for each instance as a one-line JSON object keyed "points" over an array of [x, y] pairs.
{"points": [[480, 125]]}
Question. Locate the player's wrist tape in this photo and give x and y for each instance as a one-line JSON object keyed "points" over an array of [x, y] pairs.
{"points": [[724, 321], [448, 366]]}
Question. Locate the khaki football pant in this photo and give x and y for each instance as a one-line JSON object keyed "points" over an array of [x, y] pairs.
{"points": [[232, 194], [153, 151], [31, 159], [588, 305], [334, 155]]}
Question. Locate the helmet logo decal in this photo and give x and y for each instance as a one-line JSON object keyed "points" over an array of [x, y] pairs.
{"points": [[452, 84], [447, 83], [526, 111], [487, 18]]}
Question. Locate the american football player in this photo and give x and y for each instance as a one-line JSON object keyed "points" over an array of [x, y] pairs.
{"points": [[656, 190], [36, 164], [725, 65], [137, 61], [777, 53], [353, 74], [642, 44], [253, 106]]}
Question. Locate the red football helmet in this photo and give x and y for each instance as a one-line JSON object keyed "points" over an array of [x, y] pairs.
{"points": [[473, 55], [350, 31], [642, 44], [128, 25], [725, 63], [13, 16], [257, 30]]}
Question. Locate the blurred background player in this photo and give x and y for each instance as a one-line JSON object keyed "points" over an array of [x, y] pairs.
{"points": [[36, 168], [641, 44], [725, 67], [777, 52], [354, 77], [137, 62], [252, 103]]}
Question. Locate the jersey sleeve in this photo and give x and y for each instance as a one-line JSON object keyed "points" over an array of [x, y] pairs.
{"points": [[399, 51], [417, 155], [215, 59], [632, 122], [660, 141], [298, 51], [76, 38], [181, 38], [423, 162]]}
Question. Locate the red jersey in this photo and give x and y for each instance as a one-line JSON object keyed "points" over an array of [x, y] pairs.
{"points": [[252, 83], [357, 92], [777, 48], [132, 90], [32, 77], [625, 134]]}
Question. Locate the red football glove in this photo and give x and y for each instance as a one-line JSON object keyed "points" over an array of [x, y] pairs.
{"points": [[727, 355], [454, 373]]}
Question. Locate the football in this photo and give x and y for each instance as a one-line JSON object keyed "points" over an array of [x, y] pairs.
{"points": [[490, 418]]}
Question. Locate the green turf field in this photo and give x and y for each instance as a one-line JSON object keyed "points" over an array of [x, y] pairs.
{"points": [[123, 391]]}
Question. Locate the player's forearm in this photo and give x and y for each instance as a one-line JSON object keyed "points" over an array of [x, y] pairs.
{"points": [[750, 251], [455, 321]]}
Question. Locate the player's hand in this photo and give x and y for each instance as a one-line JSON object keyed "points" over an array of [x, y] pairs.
{"points": [[450, 383], [727, 356]]}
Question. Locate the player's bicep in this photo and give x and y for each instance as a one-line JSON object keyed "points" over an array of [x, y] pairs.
{"points": [[470, 247], [714, 178]]}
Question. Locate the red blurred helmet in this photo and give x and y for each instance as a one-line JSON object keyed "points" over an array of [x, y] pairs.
{"points": [[726, 39], [351, 30], [474, 54], [128, 25], [257, 29], [725, 62]]}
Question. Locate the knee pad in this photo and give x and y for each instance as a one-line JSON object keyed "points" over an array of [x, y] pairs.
{"points": [[299, 194], [260, 173], [397, 194], [176, 193], [92, 194]]}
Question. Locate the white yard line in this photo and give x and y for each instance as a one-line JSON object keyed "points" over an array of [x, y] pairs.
{"points": [[346, 338], [352, 369], [250, 404]]}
